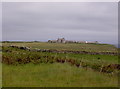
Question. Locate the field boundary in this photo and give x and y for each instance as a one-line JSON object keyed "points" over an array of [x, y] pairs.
{"points": [[65, 51]]}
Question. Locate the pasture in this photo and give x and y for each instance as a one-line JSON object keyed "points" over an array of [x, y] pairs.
{"points": [[28, 68], [54, 75], [69, 46]]}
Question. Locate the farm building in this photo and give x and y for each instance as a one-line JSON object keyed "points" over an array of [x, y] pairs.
{"points": [[59, 40], [62, 40]]}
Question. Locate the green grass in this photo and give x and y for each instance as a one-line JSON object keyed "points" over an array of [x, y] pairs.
{"points": [[0, 70], [72, 46], [38, 57], [42, 74], [90, 58], [0, 75], [17, 53], [54, 75]]}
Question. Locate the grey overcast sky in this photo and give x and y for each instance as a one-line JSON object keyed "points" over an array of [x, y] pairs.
{"points": [[82, 21]]}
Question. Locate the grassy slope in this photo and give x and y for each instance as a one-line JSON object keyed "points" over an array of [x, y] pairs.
{"points": [[75, 47], [54, 75]]}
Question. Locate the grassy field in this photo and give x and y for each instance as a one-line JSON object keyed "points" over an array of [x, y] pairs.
{"points": [[54, 75], [72, 46], [42, 69]]}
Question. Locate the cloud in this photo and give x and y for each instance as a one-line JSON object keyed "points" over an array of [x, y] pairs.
{"points": [[50, 20]]}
